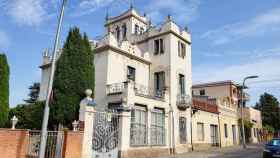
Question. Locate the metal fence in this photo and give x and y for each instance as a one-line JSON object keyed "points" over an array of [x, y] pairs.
{"points": [[54, 144]]}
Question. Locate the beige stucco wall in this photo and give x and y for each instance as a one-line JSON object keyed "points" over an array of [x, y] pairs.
{"points": [[207, 119]]}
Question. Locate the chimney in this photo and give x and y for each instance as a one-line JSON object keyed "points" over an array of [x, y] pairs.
{"points": [[46, 57]]}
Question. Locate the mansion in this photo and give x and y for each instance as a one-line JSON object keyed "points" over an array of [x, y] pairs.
{"points": [[143, 73]]}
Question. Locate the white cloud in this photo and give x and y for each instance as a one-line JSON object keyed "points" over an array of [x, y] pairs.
{"points": [[27, 12], [183, 11], [266, 68], [4, 39], [261, 24], [88, 6]]}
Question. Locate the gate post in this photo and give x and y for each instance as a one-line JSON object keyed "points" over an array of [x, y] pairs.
{"points": [[124, 133], [88, 132]]}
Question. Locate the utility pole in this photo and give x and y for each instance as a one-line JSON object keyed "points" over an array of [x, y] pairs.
{"points": [[243, 104], [44, 132]]}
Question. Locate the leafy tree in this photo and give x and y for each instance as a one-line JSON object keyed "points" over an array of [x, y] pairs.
{"points": [[29, 115], [269, 128], [269, 107], [247, 127], [4, 89], [34, 93], [74, 73]]}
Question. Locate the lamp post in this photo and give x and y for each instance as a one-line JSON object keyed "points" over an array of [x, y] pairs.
{"points": [[243, 104], [44, 132]]}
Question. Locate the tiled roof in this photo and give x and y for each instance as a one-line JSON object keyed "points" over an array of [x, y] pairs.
{"points": [[205, 106]]}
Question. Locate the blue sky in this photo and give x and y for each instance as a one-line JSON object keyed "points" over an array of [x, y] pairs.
{"points": [[231, 38]]}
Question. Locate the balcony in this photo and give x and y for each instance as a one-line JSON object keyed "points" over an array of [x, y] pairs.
{"points": [[115, 88], [139, 90], [183, 101], [144, 91]]}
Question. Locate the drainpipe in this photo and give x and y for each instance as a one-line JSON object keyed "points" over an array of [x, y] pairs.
{"points": [[191, 127], [220, 130], [172, 131]]}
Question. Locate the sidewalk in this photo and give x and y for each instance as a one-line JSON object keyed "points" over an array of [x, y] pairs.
{"points": [[252, 151]]}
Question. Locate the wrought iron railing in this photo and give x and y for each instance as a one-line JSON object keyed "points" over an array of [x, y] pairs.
{"points": [[115, 88], [139, 135], [145, 91], [53, 148]]}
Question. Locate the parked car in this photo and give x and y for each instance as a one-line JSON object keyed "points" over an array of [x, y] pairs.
{"points": [[272, 149]]}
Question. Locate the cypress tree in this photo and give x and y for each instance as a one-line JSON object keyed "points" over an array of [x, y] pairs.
{"points": [[4, 89], [74, 73]]}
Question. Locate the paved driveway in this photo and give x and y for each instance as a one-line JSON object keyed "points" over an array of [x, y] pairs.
{"points": [[252, 151]]}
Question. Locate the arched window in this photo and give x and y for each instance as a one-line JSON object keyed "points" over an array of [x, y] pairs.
{"points": [[118, 33], [124, 30]]}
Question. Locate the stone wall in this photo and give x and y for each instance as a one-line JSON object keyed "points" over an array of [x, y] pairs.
{"points": [[73, 144], [13, 143]]}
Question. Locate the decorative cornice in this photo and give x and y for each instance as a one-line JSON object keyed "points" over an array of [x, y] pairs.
{"points": [[122, 52], [112, 21], [165, 33]]}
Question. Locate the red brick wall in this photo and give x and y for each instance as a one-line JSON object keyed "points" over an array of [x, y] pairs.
{"points": [[73, 144], [13, 143]]}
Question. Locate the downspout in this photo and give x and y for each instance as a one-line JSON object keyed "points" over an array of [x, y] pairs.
{"points": [[220, 130], [191, 127]]}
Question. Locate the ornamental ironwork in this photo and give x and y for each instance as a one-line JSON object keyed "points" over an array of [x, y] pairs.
{"points": [[115, 88], [183, 101], [142, 90], [105, 135]]}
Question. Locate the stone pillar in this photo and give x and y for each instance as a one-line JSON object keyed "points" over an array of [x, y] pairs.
{"points": [[124, 133], [88, 132]]}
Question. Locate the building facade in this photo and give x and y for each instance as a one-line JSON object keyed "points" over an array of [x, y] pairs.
{"points": [[254, 117], [226, 94], [143, 72]]}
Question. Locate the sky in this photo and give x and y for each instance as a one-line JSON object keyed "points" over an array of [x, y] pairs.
{"points": [[231, 39]]}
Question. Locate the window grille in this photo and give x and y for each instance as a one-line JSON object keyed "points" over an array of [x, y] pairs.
{"points": [[158, 127]]}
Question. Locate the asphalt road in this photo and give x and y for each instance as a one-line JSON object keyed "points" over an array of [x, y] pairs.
{"points": [[252, 151]]}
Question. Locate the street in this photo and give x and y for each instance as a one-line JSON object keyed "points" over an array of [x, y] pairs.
{"points": [[252, 151]]}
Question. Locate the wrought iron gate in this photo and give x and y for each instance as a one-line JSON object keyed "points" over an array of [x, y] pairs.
{"points": [[54, 144], [105, 138]]}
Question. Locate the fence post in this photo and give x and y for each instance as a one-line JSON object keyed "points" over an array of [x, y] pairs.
{"points": [[88, 132]]}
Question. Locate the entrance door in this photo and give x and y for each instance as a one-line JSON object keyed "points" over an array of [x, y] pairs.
{"points": [[105, 135], [234, 134], [214, 135]]}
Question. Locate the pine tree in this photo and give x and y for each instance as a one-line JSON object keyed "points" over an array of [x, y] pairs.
{"points": [[34, 93], [74, 73], [269, 107], [4, 89]]}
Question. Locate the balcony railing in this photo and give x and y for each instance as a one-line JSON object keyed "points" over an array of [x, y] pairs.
{"points": [[115, 88], [145, 91], [183, 101]]}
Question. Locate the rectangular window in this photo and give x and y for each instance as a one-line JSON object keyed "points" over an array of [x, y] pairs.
{"points": [[136, 29], [181, 49], [200, 131], [131, 73], [138, 129], [182, 84], [226, 130], [124, 30], [183, 130], [142, 30], [202, 92], [158, 127], [158, 46], [159, 83]]}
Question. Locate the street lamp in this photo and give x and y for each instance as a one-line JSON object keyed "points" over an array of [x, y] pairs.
{"points": [[44, 132], [242, 117]]}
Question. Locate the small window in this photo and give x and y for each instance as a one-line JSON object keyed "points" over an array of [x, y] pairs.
{"points": [[136, 29], [131, 73], [118, 33], [202, 92], [159, 83], [181, 49], [141, 30], [124, 30], [226, 130], [158, 46], [182, 84], [200, 131]]}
